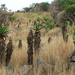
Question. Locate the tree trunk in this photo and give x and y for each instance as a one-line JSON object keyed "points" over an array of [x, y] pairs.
{"points": [[2, 49], [9, 51], [30, 48], [37, 41], [64, 31]]}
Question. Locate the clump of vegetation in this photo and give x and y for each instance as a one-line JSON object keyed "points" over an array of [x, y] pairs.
{"points": [[30, 47], [9, 51], [45, 6], [64, 31], [68, 7], [11, 18], [73, 32], [47, 24], [49, 39], [20, 44]]}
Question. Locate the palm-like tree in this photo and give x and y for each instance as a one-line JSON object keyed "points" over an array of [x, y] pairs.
{"points": [[9, 51], [30, 47], [3, 32], [37, 39]]}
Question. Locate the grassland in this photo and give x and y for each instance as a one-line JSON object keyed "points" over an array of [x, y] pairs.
{"points": [[54, 53]]}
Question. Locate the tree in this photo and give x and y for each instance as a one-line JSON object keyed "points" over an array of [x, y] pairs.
{"points": [[45, 6], [65, 3], [30, 47], [68, 6], [27, 9], [37, 27], [3, 7], [9, 51], [32, 5], [47, 24], [3, 32], [70, 12]]}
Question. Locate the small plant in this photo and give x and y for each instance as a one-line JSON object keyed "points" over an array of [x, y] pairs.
{"points": [[35, 22], [3, 30], [29, 20], [9, 51], [11, 18], [64, 31], [49, 39], [37, 27], [20, 44], [38, 19]]}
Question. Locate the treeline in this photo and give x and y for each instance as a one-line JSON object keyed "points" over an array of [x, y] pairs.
{"points": [[44, 6]]}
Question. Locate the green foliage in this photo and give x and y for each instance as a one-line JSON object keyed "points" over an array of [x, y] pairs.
{"points": [[73, 30], [11, 18], [3, 30], [65, 3], [45, 6], [37, 27], [47, 24], [43, 23], [67, 34], [10, 38], [20, 39], [32, 5], [38, 19], [27, 9], [30, 28], [70, 9], [64, 25], [73, 37]]}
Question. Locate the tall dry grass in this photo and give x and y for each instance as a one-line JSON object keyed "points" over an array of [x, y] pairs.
{"points": [[54, 53]]}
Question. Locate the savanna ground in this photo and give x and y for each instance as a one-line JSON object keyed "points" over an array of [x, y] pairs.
{"points": [[54, 53]]}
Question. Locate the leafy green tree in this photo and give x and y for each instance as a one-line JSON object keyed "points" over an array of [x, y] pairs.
{"points": [[47, 24], [69, 7], [45, 6], [32, 5], [65, 3], [27, 9], [70, 12], [3, 7]]}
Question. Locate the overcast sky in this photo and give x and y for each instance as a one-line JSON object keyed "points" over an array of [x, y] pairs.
{"points": [[19, 4]]}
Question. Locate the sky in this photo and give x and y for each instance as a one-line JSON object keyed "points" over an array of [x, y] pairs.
{"points": [[19, 4]]}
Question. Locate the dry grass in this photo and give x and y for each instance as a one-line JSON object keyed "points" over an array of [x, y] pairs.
{"points": [[54, 53]]}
